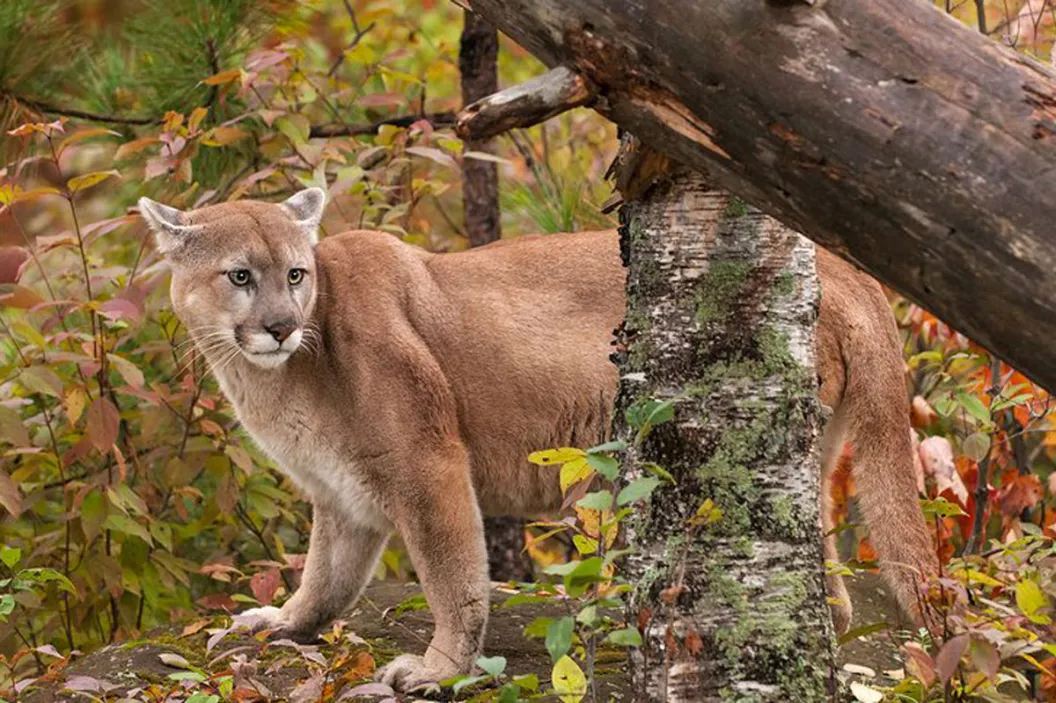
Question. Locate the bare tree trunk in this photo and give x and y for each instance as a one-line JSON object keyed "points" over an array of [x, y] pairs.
{"points": [[722, 302], [885, 131], [478, 63]]}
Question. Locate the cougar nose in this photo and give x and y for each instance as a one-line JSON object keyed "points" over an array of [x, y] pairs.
{"points": [[281, 330]]}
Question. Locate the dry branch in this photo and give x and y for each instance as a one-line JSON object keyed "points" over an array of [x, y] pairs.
{"points": [[524, 105]]}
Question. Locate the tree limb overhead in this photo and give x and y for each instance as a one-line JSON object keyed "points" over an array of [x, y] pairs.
{"points": [[885, 131]]}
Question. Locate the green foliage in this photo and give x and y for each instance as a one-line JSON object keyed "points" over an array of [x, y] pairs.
{"points": [[129, 498]]}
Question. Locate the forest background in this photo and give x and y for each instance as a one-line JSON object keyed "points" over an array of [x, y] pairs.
{"points": [[130, 497]]}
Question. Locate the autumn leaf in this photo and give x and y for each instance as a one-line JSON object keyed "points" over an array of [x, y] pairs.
{"points": [[568, 680], [1030, 599], [10, 497], [102, 424], [264, 584], [13, 295], [87, 180], [950, 656]]}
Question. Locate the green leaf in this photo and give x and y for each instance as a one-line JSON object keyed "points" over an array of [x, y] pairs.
{"points": [[658, 471], [973, 405], [614, 446], [940, 507], [627, 637], [586, 572], [598, 500], [1030, 599], [47, 576], [976, 446], [528, 682], [492, 665], [128, 526], [605, 465], [203, 698], [465, 681], [585, 545], [10, 556], [637, 489], [559, 637], [568, 680], [7, 604], [537, 627]]}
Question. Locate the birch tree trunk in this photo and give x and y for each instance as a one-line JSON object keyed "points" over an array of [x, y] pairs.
{"points": [[722, 302]]}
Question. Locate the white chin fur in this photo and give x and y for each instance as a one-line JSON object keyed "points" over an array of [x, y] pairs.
{"points": [[270, 360], [264, 352]]}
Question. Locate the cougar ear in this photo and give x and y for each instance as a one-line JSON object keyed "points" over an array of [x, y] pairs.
{"points": [[306, 207], [167, 223]]}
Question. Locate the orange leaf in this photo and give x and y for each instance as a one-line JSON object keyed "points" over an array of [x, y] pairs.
{"points": [[16, 296], [223, 77], [102, 425]]}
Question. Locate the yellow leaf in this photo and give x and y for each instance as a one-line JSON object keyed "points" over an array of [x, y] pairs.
{"points": [[1030, 599], [548, 457], [220, 136], [76, 401], [707, 513], [976, 577], [573, 472], [197, 115], [22, 196], [87, 180], [568, 680], [223, 77], [585, 545]]}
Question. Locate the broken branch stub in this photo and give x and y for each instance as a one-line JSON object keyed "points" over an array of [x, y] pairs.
{"points": [[525, 105]]}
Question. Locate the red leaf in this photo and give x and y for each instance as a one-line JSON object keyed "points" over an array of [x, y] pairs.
{"points": [[12, 260], [102, 425], [217, 601], [950, 656], [1020, 493], [118, 308], [264, 584], [919, 663]]}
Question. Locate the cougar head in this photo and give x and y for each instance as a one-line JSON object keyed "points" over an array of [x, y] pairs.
{"points": [[243, 273]]}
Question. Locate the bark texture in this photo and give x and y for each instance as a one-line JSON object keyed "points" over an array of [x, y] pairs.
{"points": [[721, 312], [881, 129], [478, 64]]}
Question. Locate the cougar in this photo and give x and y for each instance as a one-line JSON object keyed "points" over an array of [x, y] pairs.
{"points": [[403, 390]]}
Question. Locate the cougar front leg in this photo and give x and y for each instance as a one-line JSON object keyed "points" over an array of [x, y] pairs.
{"points": [[440, 523], [341, 559]]}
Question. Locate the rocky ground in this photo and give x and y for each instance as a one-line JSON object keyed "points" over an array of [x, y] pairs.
{"points": [[391, 618]]}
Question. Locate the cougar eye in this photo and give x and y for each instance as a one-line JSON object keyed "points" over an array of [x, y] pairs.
{"points": [[295, 276], [240, 277]]}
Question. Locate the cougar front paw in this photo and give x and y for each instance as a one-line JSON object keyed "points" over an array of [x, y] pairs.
{"points": [[274, 619], [408, 672]]}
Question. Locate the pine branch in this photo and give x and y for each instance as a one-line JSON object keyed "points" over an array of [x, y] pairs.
{"points": [[437, 119], [43, 107]]}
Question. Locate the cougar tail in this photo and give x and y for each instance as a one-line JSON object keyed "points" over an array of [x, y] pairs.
{"points": [[875, 419]]}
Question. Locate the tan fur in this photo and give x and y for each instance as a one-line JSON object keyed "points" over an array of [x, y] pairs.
{"points": [[423, 382]]}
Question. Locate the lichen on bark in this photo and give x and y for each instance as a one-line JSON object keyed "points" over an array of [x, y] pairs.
{"points": [[722, 302]]}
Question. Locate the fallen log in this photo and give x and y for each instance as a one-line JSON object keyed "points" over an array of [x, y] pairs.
{"points": [[882, 129]]}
